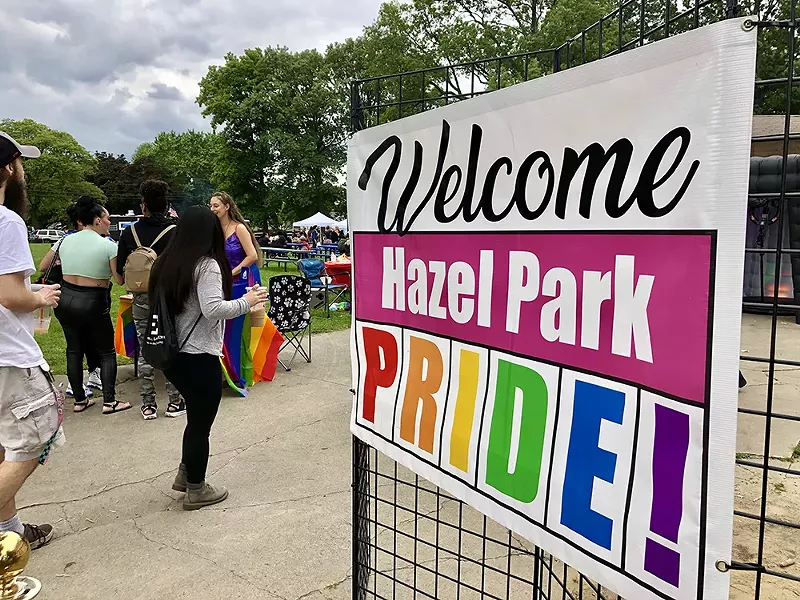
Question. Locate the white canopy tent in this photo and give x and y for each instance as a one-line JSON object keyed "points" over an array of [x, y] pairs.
{"points": [[319, 220], [342, 225]]}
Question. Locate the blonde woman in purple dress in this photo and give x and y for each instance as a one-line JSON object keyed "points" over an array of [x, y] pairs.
{"points": [[244, 257]]}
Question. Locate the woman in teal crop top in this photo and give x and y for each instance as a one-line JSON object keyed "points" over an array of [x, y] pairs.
{"points": [[88, 263]]}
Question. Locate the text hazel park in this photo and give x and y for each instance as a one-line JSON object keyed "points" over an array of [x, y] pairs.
{"points": [[505, 361], [453, 295]]}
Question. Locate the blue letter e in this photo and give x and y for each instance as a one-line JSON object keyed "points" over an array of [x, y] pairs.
{"points": [[586, 460]]}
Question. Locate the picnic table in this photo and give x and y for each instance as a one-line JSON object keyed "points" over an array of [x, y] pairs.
{"points": [[285, 256]]}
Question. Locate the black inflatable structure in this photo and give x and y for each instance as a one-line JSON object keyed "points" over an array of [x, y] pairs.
{"points": [[763, 212]]}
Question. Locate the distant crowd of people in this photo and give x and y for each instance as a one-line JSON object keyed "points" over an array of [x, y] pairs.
{"points": [[203, 268], [310, 238]]}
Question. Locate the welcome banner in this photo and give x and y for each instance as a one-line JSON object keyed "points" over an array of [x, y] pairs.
{"points": [[547, 297]]}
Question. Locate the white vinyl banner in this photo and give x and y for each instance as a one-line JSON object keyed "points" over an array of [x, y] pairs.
{"points": [[547, 304]]}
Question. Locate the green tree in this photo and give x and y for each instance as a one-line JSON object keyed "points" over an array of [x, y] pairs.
{"points": [[192, 157], [120, 180], [58, 177], [110, 179], [284, 122]]}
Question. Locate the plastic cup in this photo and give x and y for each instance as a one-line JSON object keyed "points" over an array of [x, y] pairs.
{"points": [[41, 320], [257, 314]]}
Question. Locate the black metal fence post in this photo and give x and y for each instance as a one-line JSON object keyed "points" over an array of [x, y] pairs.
{"points": [[361, 519], [361, 471]]}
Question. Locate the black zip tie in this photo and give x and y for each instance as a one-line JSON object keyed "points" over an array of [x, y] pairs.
{"points": [[724, 567], [749, 24]]}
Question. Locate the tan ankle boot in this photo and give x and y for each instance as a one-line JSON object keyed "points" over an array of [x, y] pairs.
{"points": [[206, 495], [179, 485]]}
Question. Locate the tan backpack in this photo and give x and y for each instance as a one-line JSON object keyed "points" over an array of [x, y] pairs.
{"points": [[140, 262]]}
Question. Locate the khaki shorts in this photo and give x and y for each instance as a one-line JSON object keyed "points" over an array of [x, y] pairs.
{"points": [[31, 410]]}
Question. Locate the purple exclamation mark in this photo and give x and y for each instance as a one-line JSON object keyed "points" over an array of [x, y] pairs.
{"points": [[670, 447]]}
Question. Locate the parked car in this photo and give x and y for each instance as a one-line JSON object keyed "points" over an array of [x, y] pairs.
{"points": [[48, 235]]}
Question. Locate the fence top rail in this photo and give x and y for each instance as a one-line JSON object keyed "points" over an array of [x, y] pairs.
{"points": [[455, 66], [613, 14]]}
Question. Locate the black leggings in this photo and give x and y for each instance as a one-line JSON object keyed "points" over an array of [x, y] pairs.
{"points": [[85, 316], [198, 377]]}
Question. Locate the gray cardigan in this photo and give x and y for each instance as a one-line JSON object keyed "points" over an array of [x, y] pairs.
{"points": [[207, 297]]}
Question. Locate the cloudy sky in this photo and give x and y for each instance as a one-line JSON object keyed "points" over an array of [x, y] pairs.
{"points": [[116, 72]]}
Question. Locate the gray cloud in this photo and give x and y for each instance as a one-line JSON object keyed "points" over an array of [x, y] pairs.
{"points": [[116, 72], [162, 91]]}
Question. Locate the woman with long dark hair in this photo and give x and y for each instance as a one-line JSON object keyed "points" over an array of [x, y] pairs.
{"points": [[194, 276], [88, 264]]}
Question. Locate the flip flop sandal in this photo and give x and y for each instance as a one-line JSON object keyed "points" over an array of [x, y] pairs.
{"points": [[110, 409], [82, 406]]}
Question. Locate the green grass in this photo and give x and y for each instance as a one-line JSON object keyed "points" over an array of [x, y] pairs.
{"points": [[796, 452], [54, 346]]}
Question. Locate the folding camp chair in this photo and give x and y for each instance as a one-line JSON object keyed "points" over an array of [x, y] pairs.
{"points": [[289, 304], [314, 270]]}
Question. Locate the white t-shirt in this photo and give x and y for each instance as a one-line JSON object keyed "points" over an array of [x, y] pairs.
{"points": [[18, 348]]}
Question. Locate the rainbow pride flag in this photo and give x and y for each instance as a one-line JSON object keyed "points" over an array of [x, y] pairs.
{"points": [[249, 354], [252, 360], [265, 344], [125, 340]]}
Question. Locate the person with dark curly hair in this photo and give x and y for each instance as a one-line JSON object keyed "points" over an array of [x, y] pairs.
{"points": [[88, 264], [154, 231], [92, 356]]}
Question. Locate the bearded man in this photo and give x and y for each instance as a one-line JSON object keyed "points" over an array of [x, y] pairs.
{"points": [[31, 407]]}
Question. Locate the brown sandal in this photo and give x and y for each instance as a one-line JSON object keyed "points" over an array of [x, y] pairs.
{"points": [[82, 406], [110, 409]]}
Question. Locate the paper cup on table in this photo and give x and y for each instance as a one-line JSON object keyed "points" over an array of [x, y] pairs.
{"points": [[41, 319], [257, 315]]}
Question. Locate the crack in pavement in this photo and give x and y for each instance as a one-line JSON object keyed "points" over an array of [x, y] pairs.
{"points": [[326, 588], [442, 559], [153, 485], [346, 385], [240, 449], [273, 502], [236, 454], [444, 502], [150, 480], [173, 500], [239, 576], [103, 490], [66, 520], [522, 543]]}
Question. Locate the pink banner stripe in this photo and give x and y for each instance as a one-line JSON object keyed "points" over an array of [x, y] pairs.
{"points": [[651, 329]]}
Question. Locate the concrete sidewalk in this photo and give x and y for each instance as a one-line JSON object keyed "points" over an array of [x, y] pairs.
{"points": [[284, 453], [284, 532]]}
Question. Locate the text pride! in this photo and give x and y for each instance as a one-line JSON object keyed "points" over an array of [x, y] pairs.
{"points": [[512, 429]]}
